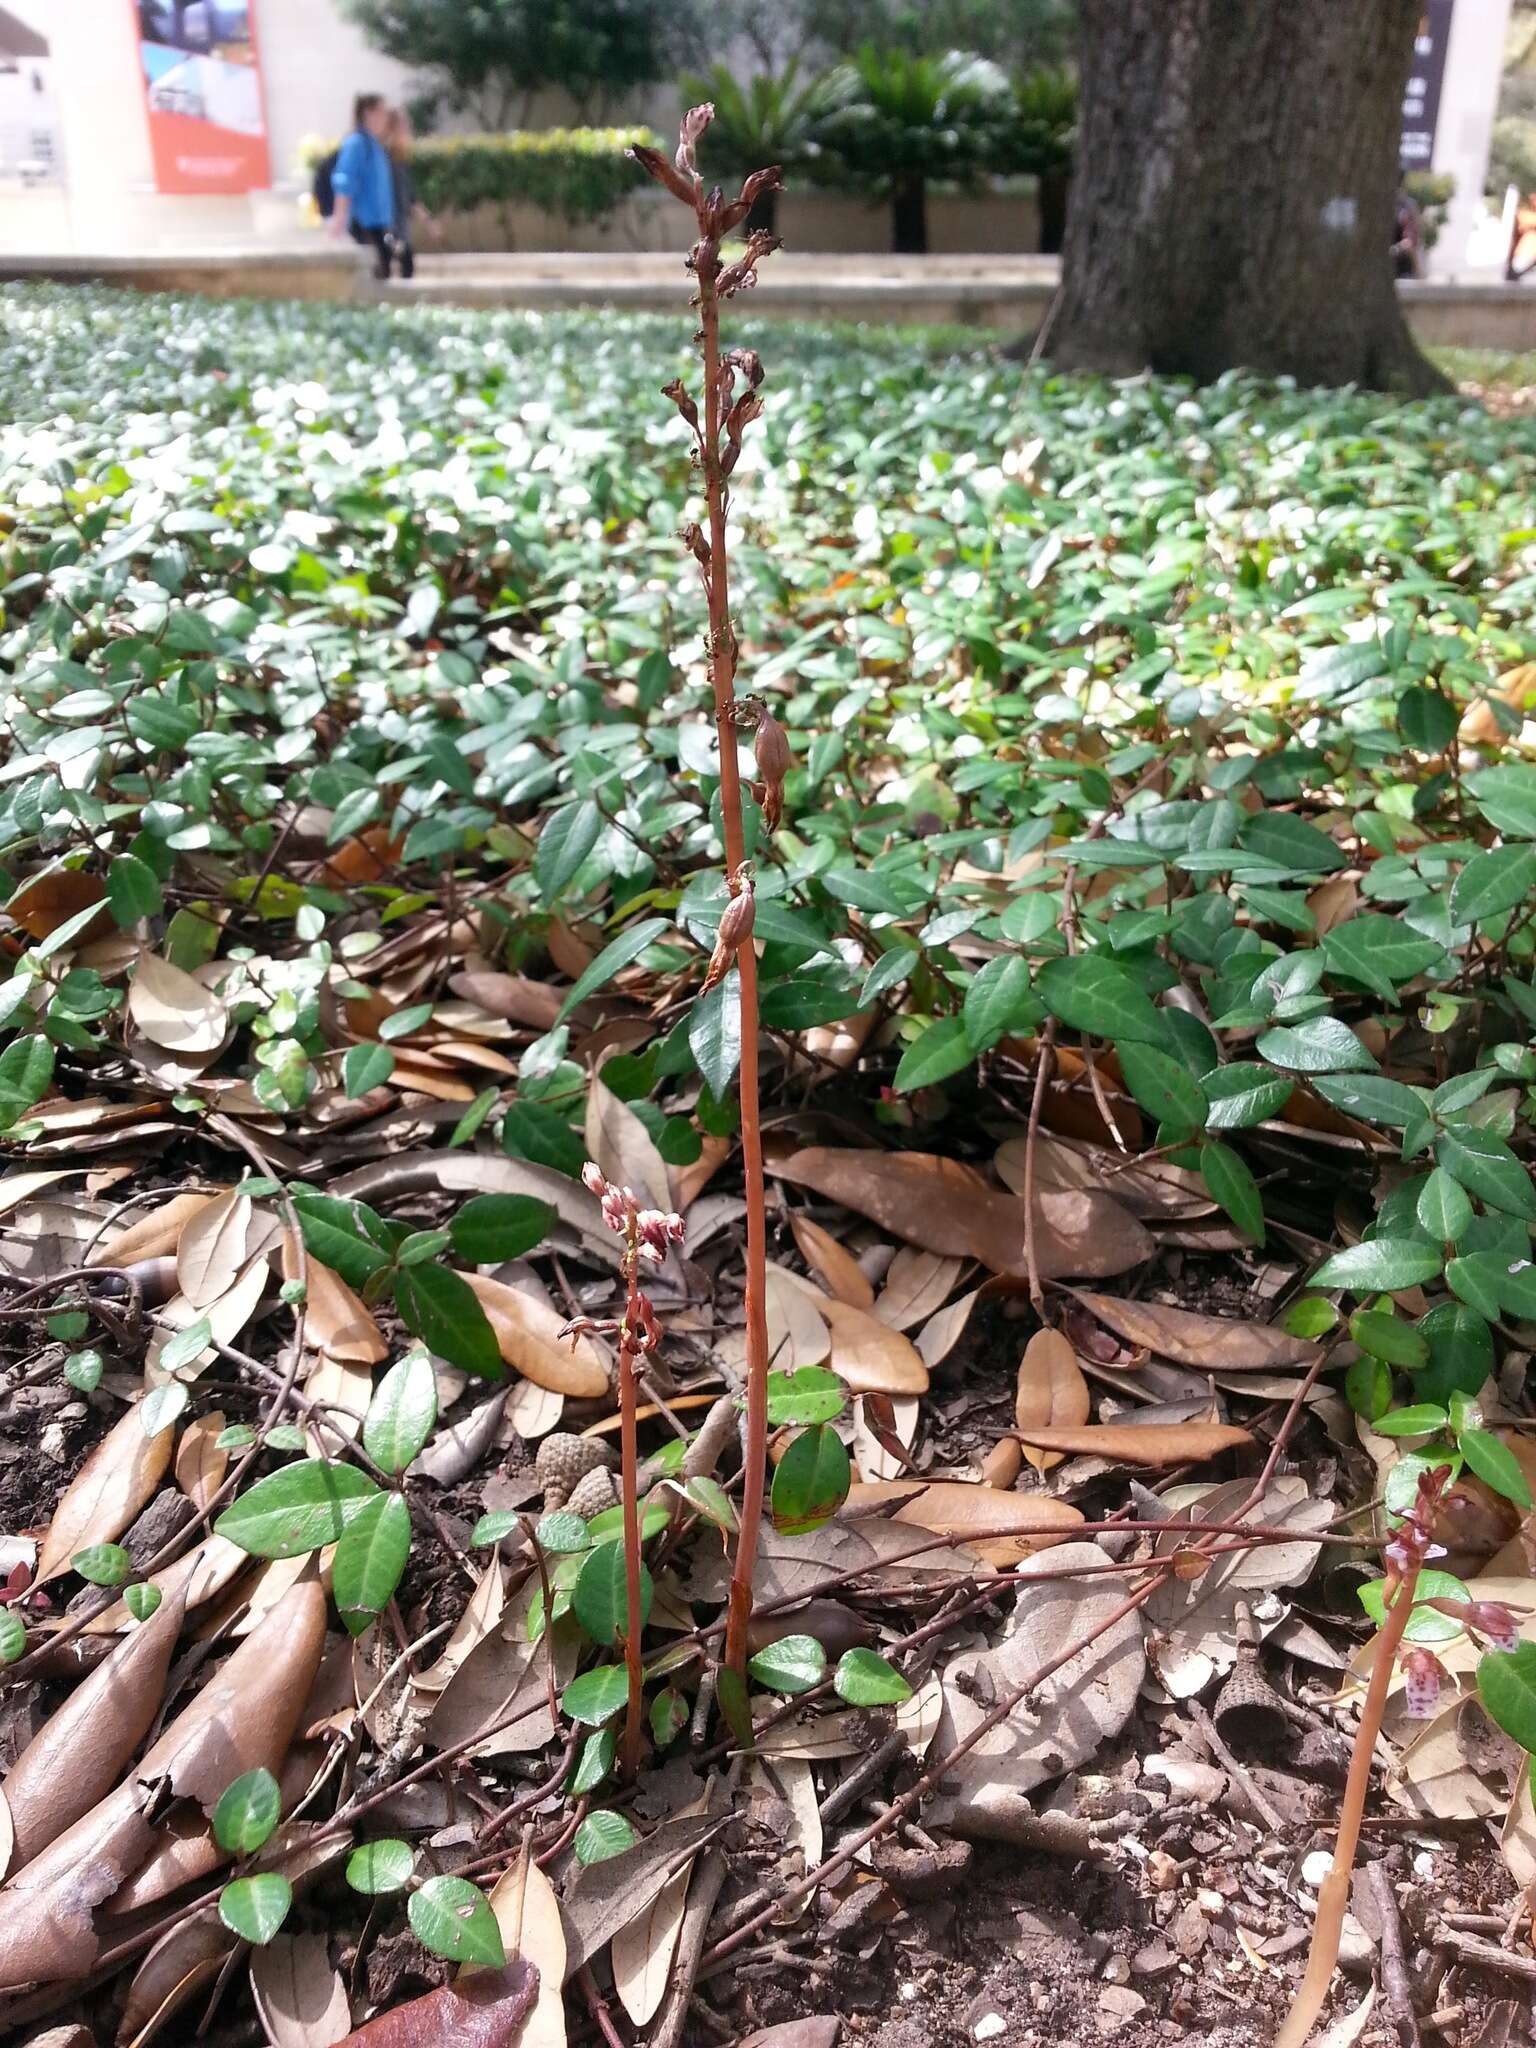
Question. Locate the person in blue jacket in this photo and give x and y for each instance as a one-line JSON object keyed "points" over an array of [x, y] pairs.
{"points": [[364, 182]]}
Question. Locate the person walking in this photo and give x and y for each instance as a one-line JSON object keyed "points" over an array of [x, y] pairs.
{"points": [[363, 182], [408, 208]]}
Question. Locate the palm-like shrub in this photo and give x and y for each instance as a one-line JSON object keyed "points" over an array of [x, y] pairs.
{"points": [[1040, 142], [894, 120]]}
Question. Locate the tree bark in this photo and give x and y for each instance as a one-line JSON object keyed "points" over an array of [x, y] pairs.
{"points": [[1235, 176]]}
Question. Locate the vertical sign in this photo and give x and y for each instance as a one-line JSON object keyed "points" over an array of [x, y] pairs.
{"points": [[1421, 99], [202, 90]]}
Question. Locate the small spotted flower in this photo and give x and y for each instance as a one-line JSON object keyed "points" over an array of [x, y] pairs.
{"points": [[1423, 1673]]}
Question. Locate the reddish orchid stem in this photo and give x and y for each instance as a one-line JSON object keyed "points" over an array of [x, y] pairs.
{"points": [[629, 1458], [722, 669]]}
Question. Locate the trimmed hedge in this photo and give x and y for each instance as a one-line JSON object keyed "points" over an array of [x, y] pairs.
{"points": [[578, 173]]}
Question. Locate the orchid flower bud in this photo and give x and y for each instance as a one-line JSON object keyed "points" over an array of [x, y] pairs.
{"points": [[1495, 1622], [734, 931], [593, 1179]]}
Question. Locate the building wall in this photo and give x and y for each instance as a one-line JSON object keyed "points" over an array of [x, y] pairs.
{"points": [[313, 60]]}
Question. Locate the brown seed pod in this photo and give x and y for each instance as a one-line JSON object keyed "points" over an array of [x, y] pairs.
{"points": [[563, 1461], [592, 1493]]}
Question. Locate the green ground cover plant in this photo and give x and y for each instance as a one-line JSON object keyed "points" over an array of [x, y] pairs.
{"points": [[1153, 803]]}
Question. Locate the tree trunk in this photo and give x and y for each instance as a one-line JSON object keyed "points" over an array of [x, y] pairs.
{"points": [[909, 214], [1233, 192], [1052, 189]]}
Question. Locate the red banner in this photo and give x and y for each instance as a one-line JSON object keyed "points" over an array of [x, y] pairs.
{"points": [[202, 91]]}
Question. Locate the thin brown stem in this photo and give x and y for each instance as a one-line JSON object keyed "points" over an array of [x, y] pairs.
{"points": [[634, 1658], [1333, 1894], [722, 671]]}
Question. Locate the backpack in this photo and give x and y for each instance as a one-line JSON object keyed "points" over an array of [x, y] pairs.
{"points": [[323, 187]]}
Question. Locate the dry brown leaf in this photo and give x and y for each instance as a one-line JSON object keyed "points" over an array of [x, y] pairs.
{"points": [[335, 1319], [1154, 1444], [200, 1463], [242, 1718], [834, 1266], [171, 1008], [797, 1330], [513, 997], [941, 1333], [532, 1410], [1152, 1187], [528, 1336], [1210, 1343], [1000, 1527], [481, 1617], [940, 1205], [82, 1749], [603, 1897], [623, 1147], [227, 1317], [345, 1388], [152, 1235], [106, 1493], [1333, 902], [211, 1249], [687, 1183], [867, 1354], [1057, 1726], [300, 1998], [641, 1954], [181, 1962], [873, 1458], [1051, 1390], [411, 1078], [16, 1188], [571, 951], [52, 897], [1516, 689], [528, 1914], [917, 1285], [839, 1044]]}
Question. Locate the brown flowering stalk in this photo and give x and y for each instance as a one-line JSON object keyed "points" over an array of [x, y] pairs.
{"points": [[1412, 1543], [646, 1233], [731, 403]]}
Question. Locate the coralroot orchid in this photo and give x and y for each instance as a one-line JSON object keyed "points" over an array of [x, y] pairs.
{"points": [[717, 428], [1412, 1542], [648, 1235]]}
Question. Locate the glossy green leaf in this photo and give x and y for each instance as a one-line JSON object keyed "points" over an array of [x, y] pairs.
{"points": [[864, 1679], [297, 1509], [440, 1307], [599, 1598], [247, 1812], [601, 1835], [256, 1907], [453, 1918], [1495, 1464], [382, 1866], [369, 1559], [597, 1695], [402, 1412], [492, 1228], [792, 1664], [1380, 1266], [810, 1481], [1098, 998]]}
